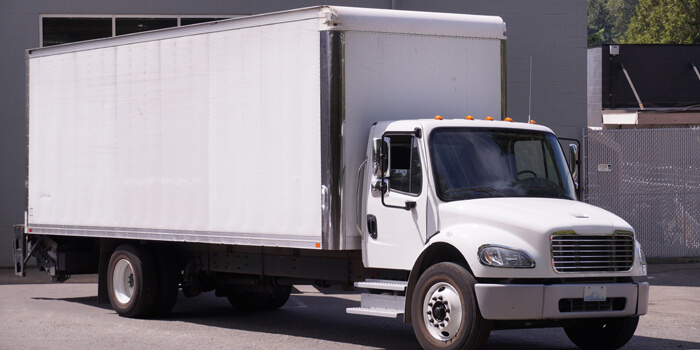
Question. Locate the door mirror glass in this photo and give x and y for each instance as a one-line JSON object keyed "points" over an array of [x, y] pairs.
{"points": [[573, 160], [381, 157]]}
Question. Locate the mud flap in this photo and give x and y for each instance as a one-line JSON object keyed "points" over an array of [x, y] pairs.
{"points": [[19, 245]]}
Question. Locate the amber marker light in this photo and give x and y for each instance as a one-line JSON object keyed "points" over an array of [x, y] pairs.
{"points": [[469, 118], [508, 120], [532, 122], [489, 118], [437, 117]]}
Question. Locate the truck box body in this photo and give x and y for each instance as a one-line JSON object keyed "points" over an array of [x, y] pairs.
{"points": [[247, 131]]}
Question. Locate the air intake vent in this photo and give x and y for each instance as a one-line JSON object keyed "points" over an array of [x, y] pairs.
{"points": [[578, 305], [576, 253]]}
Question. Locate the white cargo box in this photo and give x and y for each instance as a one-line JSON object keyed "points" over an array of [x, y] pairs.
{"points": [[246, 131]]}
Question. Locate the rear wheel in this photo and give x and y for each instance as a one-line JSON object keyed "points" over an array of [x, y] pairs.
{"points": [[604, 333], [446, 314], [131, 281], [168, 284]]}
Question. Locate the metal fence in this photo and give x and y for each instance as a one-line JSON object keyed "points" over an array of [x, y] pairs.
{"points": [[651, 178]]}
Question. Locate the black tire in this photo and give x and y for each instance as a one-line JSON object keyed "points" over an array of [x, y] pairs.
{"points": [[438, 289], [252, 301], [168, 284], [604, 334], [277, 299], [131, 281]]}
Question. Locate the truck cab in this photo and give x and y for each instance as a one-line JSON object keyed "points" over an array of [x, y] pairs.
{"points": [[485, 216]]}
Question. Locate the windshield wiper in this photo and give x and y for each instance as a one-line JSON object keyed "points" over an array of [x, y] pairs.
{"points": [[488, 190]]}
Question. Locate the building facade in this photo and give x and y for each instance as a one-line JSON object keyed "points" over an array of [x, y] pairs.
{"points": [[546, 60]]}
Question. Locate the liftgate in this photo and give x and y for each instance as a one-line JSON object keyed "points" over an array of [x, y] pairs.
{"points": [[651, 178]]}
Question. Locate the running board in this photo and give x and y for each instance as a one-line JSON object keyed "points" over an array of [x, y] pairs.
{"points": [[398, 286], [380, 305]]}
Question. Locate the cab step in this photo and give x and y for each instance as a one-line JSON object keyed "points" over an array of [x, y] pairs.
{"points": [[397, 286], [380, 305]]}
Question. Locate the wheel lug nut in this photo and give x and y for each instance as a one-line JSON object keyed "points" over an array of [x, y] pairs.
{"points": [[440, 297]]}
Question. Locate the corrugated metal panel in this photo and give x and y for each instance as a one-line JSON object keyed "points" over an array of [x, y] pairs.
{"points": [[216, 135]]}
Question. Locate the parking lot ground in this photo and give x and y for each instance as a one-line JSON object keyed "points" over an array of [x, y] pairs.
{"points": [[41, 315]]}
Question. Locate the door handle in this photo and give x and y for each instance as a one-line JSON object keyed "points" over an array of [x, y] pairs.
{"points": [[372, 226]]}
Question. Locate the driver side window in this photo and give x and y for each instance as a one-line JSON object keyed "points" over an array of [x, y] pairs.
{"points": [[406, 172]]}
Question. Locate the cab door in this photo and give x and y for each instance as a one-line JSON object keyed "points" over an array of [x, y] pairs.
{"points": [[395, 227]]}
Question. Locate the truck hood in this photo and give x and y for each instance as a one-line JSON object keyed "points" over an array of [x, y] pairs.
{"points": [[540, 216]]}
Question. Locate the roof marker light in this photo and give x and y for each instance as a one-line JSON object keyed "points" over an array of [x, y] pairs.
{"points": [[488, 118], [437, 117], [469, 118], [532, 122], [508, 120]]}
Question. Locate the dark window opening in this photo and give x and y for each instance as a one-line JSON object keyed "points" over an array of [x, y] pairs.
{"points": [[135, 25], [62, 30], [405, 175], [188, 21]]}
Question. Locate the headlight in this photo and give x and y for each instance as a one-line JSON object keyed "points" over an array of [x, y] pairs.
{"points": [[642, 258], [499, 256]]}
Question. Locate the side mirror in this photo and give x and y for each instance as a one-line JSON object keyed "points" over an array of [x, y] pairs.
{"points": [[573, 160], [381, 157], [574, 163]]}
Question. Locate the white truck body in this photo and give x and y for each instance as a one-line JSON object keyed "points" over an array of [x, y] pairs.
{"points": [[224, 133], [248, 155]]}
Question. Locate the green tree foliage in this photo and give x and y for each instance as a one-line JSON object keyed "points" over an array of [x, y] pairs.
{"points": [[620, 13], [598, 28], [665, 22], [608, 20]]}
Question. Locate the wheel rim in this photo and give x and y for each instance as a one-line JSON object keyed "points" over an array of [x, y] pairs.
{"points": [[123, 281], [442, 311]]}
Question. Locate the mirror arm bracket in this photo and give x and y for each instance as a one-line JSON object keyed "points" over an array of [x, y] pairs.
{"points": [[409, 204]]}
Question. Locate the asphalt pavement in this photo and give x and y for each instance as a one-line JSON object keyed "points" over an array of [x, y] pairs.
{"points": [[41, 315]]}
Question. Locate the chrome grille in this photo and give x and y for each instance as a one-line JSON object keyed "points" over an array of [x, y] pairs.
{"points": [[577, 253]]}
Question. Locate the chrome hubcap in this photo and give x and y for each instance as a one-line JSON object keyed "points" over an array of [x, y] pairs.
{"points": [[123, 281], [442, 311]]}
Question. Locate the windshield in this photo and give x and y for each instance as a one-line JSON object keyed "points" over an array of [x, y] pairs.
{"points": [[483, 162]]}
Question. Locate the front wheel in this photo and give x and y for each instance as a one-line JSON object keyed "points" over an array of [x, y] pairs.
{"points": [[445, 311], [604, 333]]}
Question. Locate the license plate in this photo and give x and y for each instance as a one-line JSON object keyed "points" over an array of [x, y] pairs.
{"points": [[594, 293]]}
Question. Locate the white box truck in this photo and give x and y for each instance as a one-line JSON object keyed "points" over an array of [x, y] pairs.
{"points": [[301, 147]]}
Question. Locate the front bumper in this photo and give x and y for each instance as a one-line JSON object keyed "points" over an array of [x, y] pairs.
{"points": [[561, 301]]}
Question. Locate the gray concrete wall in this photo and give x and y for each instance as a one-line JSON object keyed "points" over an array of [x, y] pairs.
{"points": [[552, 32], [595, 87]]}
